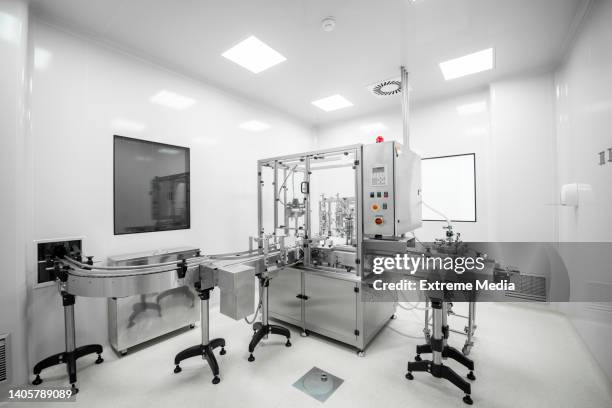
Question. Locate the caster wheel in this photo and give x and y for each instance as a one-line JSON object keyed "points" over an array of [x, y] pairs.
{"points": [[393, 316], [99, 360], [288, 344], [222, 352], [417, 358], [468, 400], [304, 334], [75, 390], [177, 369], [192, 326], [409, 376], [216, 380], [123, 353], [361, 353], [251, 358], [471, 376], [37, 380]]}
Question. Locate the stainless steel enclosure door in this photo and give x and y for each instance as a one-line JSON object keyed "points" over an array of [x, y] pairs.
{"points": [[282, 296], [331, 307]]}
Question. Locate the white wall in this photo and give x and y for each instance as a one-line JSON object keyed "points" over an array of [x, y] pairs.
{"points": [[584, 123], [78, 89], [13, 71], [523, 192], [514, 142]]}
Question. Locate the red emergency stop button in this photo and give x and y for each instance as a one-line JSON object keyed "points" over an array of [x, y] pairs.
{"points": [[378, 220]]}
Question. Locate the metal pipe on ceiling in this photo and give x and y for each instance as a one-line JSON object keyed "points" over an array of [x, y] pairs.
{"points": [[405, 107]]}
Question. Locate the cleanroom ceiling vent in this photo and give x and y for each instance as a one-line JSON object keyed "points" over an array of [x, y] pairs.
{"points": [[388, 87]]}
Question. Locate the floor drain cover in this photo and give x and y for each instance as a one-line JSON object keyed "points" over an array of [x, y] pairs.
{"points": [[318, 384]]}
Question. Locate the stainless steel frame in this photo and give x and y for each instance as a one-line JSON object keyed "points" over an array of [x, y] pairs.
{"points": [[315, 297]]}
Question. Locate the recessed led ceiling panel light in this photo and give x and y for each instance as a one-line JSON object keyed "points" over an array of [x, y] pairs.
{"points": [[332, 103], [254, 126], [254, 55], [469, 64], [172, 100], [472, 108]]}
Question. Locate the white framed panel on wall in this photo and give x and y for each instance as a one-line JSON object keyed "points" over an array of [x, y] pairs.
{"points": [[449, 187]]}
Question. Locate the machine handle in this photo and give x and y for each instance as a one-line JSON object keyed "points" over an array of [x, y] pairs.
{"points": [[305, 187]]}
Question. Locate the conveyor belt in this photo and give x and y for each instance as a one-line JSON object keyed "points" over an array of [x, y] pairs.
{"points": [[108, 281]]}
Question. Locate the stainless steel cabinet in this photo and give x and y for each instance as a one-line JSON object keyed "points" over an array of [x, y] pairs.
{"points": [[283, 301], [330, 307], [329, 304], [136, 319]]}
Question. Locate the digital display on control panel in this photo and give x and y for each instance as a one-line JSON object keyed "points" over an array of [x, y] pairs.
{"points": [[379, 176]]}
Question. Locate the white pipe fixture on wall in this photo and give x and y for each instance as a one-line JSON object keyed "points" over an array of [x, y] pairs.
{"points": [[573, 194]]}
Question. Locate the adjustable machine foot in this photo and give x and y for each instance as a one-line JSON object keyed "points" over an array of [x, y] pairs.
{"points": [[68, 358], [263, 331], [206, 352], [441, 371]]}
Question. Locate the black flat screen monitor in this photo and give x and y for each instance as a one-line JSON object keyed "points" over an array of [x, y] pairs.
{"points": [[151, 186]]}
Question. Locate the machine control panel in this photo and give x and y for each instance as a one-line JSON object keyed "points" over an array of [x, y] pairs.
{"points": [[391, 182], [379, 175], [378, 189]]}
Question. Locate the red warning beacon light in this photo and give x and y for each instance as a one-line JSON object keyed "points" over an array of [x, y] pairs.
{"points": [[380, 139]]}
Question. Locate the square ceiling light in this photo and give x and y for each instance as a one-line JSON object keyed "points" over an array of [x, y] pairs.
{"points": [[332, 103], [254, 126], [172, 100], [469, 64], [254, 55]]}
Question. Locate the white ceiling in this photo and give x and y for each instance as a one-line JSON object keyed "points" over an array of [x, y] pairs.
{"points": [[371, 40]]}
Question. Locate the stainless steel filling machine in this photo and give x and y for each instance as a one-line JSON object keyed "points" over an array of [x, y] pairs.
{"points": [[380, 187]]}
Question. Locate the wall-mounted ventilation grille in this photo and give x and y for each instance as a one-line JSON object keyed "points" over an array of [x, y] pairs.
{"points": [[388, 87], [3, 358], [530, 287]]}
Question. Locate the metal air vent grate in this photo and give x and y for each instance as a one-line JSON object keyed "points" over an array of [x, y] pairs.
{"points": [[530, 287], [388, 87], [3, 358]]}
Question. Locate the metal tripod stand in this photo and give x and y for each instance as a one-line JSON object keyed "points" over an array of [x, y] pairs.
{"points": [[263, 328], [205, 349], [441, 350], [72, 353]]}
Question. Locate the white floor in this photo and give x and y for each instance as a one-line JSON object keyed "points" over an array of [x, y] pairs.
{"points": [[524, 358]]}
